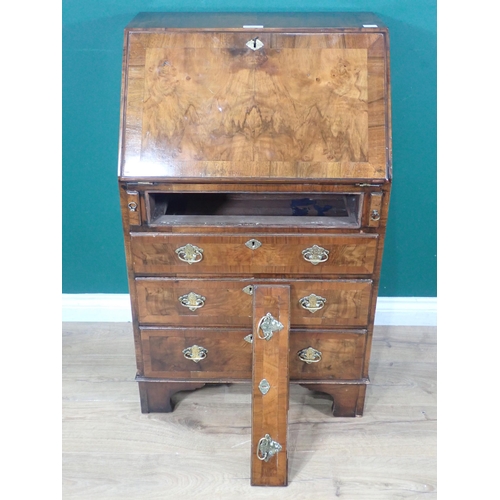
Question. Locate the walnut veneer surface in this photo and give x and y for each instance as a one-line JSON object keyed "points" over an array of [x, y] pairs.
{"points": [[254, 153]]}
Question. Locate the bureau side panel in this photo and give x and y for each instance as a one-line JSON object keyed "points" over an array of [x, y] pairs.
{"points": [[126, 223]]}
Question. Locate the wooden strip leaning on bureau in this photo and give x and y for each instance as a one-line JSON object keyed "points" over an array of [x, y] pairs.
{"points": [[254, 154]]}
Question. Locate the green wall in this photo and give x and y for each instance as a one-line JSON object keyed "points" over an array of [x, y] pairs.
{"points": [[93, 255]]}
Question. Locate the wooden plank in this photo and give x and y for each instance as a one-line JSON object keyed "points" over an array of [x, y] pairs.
{"points": [[270, 385]]}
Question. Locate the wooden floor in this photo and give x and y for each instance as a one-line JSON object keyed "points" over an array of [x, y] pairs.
{"points": [[202, 449]]}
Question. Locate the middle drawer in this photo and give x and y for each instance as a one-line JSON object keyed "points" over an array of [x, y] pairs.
{"points": [[212, 302]]}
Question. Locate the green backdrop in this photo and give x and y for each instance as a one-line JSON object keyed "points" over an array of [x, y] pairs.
{"points": [[93, 255]]}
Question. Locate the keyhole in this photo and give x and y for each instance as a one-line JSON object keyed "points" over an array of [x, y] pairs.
{"points": [[253, 244], [255, 42]]}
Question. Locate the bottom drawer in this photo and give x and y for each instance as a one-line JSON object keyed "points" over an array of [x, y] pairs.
{"points": [[206, 353]]}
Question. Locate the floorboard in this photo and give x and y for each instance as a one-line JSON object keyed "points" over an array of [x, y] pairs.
{"points": [[202, 449]]}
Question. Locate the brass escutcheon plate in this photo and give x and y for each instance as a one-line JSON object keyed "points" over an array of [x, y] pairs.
{"points": [[253, 244], [264, 386], [254, 44]]}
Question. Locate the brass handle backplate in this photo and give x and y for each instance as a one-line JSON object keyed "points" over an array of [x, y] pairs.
{"points": [[309, 355], [190, 253], [312, 303], [267, 448], [375, 215], [132, 206], [268, 324], [315, 255], [192, 301], [195, 353]]}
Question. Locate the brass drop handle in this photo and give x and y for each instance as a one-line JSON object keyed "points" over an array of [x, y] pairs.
{"points": [[315, 255], [268, 324], [312, 302], [375, 215], [309, 355], [132, 206], [195, 353], [190, 253], [267, 448], [192, 301]]}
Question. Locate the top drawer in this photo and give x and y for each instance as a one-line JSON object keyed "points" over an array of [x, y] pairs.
{"points": [[158, 253]]}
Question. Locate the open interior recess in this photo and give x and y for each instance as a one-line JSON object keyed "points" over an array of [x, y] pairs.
{"points": [[332, 209]]}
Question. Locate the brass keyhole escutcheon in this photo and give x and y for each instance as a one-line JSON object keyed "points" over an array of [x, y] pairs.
{"points": [[253, 244], [264, 386], [254, 43]]}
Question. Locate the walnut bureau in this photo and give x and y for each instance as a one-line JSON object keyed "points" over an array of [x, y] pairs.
{"points": [[255, 175]]}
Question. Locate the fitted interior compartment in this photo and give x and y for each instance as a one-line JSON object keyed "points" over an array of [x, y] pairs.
{"points": [[317, 209]]}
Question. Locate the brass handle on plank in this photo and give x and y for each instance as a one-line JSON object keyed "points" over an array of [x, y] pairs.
{"points": [[312, 302], [195, 353], [375, 215], [192, 301], [309, 355], [315, 255], [190, 253], [132, 206], [267, 448], [268, 324]]}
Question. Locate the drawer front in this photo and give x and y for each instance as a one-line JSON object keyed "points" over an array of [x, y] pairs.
{"points": [[209, 353], [157, 253], [340, 355], [226, 354], [225, 303]]}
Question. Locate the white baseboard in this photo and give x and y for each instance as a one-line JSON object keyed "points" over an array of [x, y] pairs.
{"points": [[109, 307]]}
